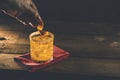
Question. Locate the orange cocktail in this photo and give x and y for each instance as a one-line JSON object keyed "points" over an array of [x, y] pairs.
{"points": [[41, 46]]}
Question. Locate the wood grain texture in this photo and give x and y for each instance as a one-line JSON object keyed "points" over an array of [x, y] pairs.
{"points": [[94, 50]]}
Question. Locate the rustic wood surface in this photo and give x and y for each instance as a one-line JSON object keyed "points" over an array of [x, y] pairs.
{"points": [[94, 47]]}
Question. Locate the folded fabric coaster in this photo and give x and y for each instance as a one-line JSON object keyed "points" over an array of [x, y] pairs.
{"points": [[31, 66]]}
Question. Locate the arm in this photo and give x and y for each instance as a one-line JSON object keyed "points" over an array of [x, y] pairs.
{"points": [[24, 11]]}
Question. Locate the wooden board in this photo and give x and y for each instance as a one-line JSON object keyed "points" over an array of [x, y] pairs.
{"points": [[92, 53]]}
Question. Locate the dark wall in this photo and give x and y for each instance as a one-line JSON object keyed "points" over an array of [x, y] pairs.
{"points": [[80, 10]]}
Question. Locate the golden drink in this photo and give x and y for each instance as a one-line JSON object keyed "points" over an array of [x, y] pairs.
{"points": [[41, 46]]}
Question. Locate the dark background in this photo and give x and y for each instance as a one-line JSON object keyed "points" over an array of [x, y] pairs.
{"points": [[74, 32], [80, 10]]}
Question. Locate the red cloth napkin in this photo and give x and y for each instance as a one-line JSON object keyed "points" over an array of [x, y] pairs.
{"points": [[31, 66]]}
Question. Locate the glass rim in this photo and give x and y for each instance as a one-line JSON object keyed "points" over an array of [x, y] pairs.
{"points": [[37, 32]]}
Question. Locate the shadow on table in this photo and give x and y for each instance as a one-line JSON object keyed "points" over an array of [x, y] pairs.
{"points": [[24, 75]]}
